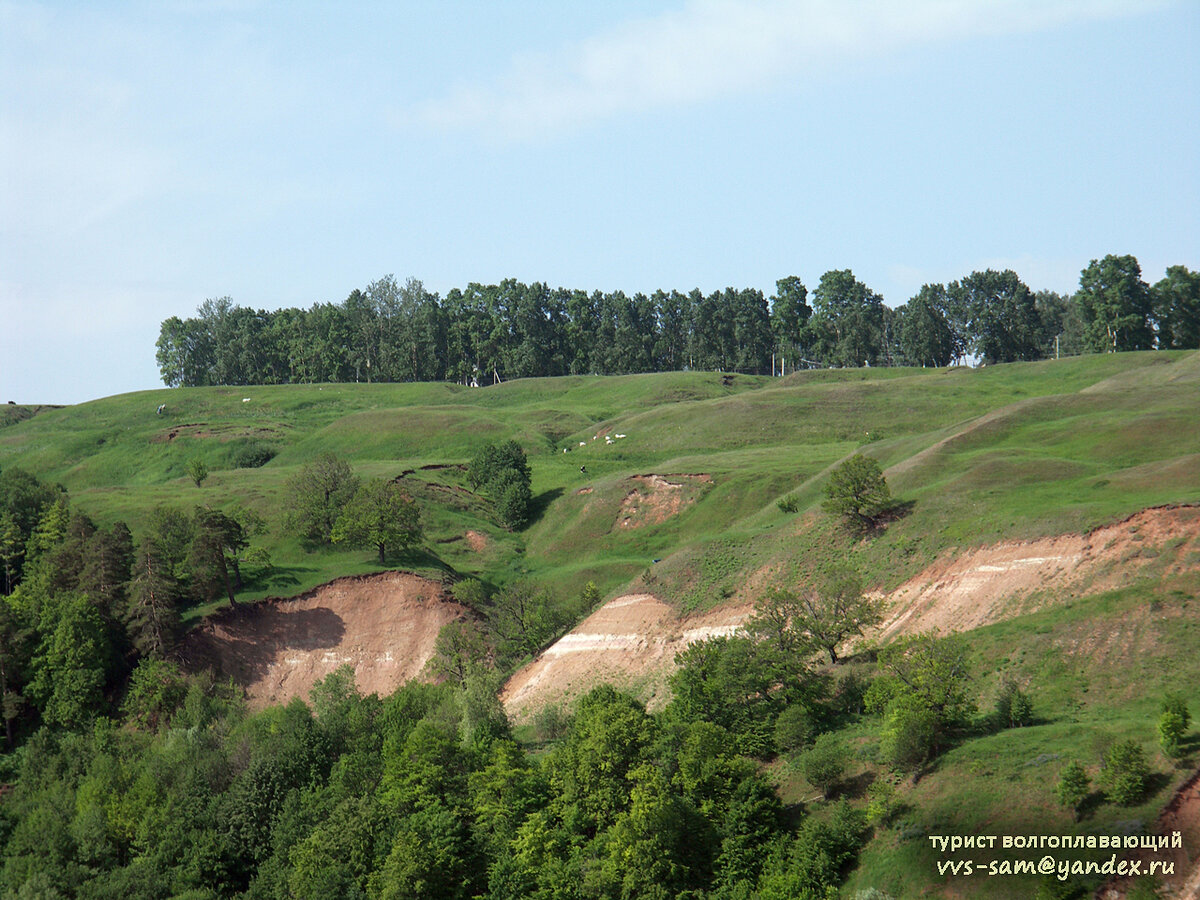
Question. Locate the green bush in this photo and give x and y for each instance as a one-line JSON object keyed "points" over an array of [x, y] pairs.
{"points": [[1014, 709], [881, 802], [253, 455], [824, 764], [1173, 725], [909, 736], [1073, 786], [1125, 772], [794, 729], [197, 470]]}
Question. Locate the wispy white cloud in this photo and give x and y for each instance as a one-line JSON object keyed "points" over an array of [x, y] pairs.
{"points": [[711, 49]]}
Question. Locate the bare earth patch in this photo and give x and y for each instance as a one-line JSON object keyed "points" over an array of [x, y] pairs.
{"points": [[630, 642], [476, 541], [383, 625], [655, 498], [961, 591]]}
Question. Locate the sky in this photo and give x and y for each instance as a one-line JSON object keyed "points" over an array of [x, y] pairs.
{"points": [[156, 154]]}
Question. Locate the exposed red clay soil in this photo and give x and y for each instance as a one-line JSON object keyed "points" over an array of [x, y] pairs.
{"points": [[383, 625], [961, 591], [630, 642], [655, 498], [476, 541]]}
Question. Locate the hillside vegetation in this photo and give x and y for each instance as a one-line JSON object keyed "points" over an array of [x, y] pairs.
{"points": [[699, 489], [1010, 451]]}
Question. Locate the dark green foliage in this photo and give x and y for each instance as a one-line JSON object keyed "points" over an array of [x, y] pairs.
{"points": [[858, 492], [1116, 306], [794, 730], [73, 662], [157, 690], [317, 495], [253, 455], [998, 311], [460, 650], [1014, 709], [521, 620], [495, 460], [789, 315], [742, 684], [923, 694], [502, 471], [1073, 787], [910, 736], [815, 859], [390, 332], [217, 543], [379, 515], [610, 737], [824, 764], [1125, 772], [152, 615], [23, 500], [926, 335], [823, 615], [1173, 722], [171, 530], [395, 798], [16, 654], [1177, 309], [847, 324]]}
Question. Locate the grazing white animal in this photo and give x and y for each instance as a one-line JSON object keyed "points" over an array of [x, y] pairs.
{"points": [[245, 399]]}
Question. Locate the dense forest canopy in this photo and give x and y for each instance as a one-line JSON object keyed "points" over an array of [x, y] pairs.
{"points": [[390, 332]]}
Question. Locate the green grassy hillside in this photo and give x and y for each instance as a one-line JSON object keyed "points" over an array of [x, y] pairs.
{"points": [[1009, 451]]}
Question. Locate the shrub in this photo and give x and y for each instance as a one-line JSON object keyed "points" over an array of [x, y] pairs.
{"points": [[824, 764], [909, 736], [197, 470], [1125, 772], [794, 729], [253, 455], [551, 722], [1014, 709], [881, 802], [788, 504], [1173, 725], [1072, 788], [1171, 729]]}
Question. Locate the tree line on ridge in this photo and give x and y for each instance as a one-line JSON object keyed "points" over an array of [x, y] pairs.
{"points": [[396, 332]]}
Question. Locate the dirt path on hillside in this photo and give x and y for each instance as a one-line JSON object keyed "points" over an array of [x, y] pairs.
{"points": [[383, 625]]}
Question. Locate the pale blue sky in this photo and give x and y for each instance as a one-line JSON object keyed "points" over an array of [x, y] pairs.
{"points": [[155, 154]]}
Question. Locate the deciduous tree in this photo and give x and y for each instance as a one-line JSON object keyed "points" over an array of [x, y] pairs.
{"points": [[1177, 309], [858, 492], [379, 515], [317, 495], [1116, 305]]}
